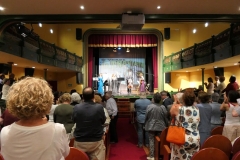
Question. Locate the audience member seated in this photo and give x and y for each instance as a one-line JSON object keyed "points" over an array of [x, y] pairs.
{"points": [[216, 112], [184, 111], [155, 121], [231, 128], [76, 99], [205, 110], [63, 112], [32, 137]]}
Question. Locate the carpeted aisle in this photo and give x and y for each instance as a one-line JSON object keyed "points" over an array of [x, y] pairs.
{"points": [[126, 148]]}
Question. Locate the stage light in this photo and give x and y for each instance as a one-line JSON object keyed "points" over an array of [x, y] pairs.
{"points": [[194, 31], [51, 31], [40, 24], [119, 48], [128, 50], [114, 49], [206, 24]]}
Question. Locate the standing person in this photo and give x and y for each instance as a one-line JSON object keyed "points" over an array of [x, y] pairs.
{"points": [[166, 100], [232, 85], [185, 111], [63, 112], [129, 85], [11, 78], [155, 121], [32, 137], [142, 86], [140, 108], [89, 118], [216, 84], [112, 109], [5, 89], [209, 86], [2, 76], [205, 110], [100, 84], [231, 128], [114, 84], [216, 112], [76, 99]]}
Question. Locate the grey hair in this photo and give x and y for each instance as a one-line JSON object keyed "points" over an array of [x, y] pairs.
{"points": [[76, 97], [215, 97]]}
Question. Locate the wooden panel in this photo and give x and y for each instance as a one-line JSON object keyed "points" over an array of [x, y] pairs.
{"points": [[204, 60], [29, 54], [11, 49], [46, 60], [124, 108]]}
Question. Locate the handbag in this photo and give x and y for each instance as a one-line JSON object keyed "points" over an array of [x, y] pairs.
{"points": [[176, 133]]}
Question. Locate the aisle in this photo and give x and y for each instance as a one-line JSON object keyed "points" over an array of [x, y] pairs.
{"points": [[126, 148]]}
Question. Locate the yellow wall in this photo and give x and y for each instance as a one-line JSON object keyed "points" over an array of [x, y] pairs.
{"points": [[64, 36]]}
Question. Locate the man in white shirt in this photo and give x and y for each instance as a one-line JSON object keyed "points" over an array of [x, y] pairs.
{"points": [[112, 109]]}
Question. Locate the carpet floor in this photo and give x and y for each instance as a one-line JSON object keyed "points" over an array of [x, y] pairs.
{"points": [[126, 148]]}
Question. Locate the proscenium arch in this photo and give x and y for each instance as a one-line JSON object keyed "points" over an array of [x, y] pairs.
{"points": [[155, 32]]}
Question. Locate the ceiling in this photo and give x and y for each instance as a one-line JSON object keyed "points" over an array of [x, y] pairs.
{"points": [[221, 10], [117, 7]]}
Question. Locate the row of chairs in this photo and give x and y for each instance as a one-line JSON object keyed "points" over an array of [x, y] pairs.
{"points": [[217, 141]]}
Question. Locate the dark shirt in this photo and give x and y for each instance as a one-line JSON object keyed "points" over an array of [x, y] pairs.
{"points": [[8, 118], [231, 86], [168, 101], [89, 118]]}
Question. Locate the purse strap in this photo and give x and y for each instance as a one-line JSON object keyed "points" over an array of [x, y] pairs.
{"points": [[174, 119]]}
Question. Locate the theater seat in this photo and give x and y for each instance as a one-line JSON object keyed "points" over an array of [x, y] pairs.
{"points": [[236, 156], [236, 146], [217, 130], [76, 154], [71, 143], [210, 154], [1, 157]]}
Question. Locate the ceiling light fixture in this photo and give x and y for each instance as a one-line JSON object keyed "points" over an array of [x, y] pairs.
{"points": [[1, 8], [82, 7], [128, 50], [235, 64], [15, 64], [206, 24], [215, 67], [51, 31], [194, 31], [40, 24], [33, 67], [158, 7]]}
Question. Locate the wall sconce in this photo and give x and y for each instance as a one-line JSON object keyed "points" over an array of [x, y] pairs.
{"points": [[128, 50]]}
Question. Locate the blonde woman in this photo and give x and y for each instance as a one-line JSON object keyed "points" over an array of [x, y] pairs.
{"points": [[32, 137]]}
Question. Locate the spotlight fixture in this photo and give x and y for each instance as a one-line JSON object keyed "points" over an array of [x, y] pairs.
{"points": [[114, 49], [51, 31], [158, 7], [40, 24], [194, 30], [119, 48], [206, 24], [128, 50], [81, 7], [1, 8]]}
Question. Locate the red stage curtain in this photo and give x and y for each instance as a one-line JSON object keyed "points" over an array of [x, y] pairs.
{"points": [[122, 40], [155, 67], [90, 66]]}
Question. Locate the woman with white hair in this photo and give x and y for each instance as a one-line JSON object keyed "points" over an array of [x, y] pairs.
{"points": [[76, 99]]}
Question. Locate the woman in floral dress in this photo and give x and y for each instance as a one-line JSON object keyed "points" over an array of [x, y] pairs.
{"points": [[186, 113]]}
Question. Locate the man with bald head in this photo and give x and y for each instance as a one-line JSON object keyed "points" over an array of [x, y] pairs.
{"points": [[89, 118]]}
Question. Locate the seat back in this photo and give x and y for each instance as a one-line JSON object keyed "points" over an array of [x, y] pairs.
{"points": [[71, 143], [163, 140], [217, 130], [210, 153], [220, 142], [236, 156], [76, 154], [236, 146], [1, 157]]}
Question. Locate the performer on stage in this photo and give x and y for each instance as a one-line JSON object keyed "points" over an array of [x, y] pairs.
{"points": [[100, 84], [114, 84], [129, 85], [142, 86]]}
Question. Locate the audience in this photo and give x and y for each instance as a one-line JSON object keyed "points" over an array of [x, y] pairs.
{"points": [[89, 118], [216, 112], [209, 86], [166, 100], [32, 137], [217, 82], [231, 128], [11, 78], [76, 99], [63, 112], [7, 118], [221, 86], [140, 106], [155, 121], [5, 89], [112, 109], [232, 85], [185, 111], [205, 110]]}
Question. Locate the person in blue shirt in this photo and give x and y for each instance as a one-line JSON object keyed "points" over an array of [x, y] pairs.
{"points": [[140, 108], [100, 84]]}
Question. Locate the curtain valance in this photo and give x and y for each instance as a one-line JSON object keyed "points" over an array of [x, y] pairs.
{"points": [[122, 40]]}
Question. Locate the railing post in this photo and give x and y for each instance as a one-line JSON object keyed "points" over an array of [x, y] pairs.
{"points": [[203, 77]]}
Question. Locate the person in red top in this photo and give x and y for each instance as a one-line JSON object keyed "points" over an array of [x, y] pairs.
{"points": [[232, 85], [7, 119]]}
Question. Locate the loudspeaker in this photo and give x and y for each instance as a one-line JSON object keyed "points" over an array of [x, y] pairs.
{"points": [[219, 71], [167, 33], [4, 68], [78, 33], [79, 78], [168, 77], [29, 72]]}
